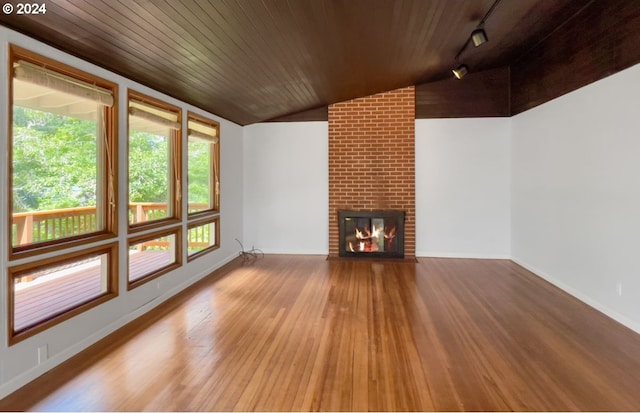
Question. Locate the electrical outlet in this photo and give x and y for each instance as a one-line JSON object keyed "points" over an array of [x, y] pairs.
{"points": [[43, 353], [619, 288]]}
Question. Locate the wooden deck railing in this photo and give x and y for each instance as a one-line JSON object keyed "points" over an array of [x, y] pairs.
{"points": [[39, 226]]}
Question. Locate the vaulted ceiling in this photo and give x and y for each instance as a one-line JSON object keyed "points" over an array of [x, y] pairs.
{"points": [[254, 60]]}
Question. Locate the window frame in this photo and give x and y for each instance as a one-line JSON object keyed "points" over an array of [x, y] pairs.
{"points": [[200, 222], [111, 250], [177, 232], [175, 158], [108, 158], [215, 169]]}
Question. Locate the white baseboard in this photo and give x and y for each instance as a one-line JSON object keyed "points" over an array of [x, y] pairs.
{"points": [[295, 252], [430, 254], [57, 359], [627, 322]]}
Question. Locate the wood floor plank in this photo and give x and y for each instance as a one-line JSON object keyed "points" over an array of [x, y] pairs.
{"points": [[302, 333]]}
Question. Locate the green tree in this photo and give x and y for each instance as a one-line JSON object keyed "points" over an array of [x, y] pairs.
{"points": [[54, 161], [148, 167], [199, 167]]}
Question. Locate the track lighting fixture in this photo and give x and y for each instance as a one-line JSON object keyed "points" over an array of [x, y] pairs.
{"points": [[479, 37], [460, 71]]}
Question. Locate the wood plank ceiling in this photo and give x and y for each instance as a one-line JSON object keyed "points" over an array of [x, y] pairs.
{"points": [[254, 60]]}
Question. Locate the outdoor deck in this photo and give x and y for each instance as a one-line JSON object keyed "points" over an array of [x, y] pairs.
{"points": [[62, 290], [40, 297]]}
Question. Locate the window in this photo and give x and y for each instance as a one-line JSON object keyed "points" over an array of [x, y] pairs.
{"points": [[203, 166], [202, 236], [203, 159], [62, 155], [153, 255], [154, 162], [154, 188], [62, 151], [45, 292]]}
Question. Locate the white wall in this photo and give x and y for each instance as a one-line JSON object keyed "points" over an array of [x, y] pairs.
{"points": [[463, 188], [286, 187], [462, 193], [576, 193], [19, 363]]}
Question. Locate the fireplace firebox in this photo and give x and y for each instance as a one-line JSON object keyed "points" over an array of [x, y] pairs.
{"points": [[371, 233]]}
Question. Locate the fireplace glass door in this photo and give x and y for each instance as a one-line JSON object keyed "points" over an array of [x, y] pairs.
{"points": [[371, 233]]}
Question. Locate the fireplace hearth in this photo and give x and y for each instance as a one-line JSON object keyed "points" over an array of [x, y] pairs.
{"points": [[371, 233]]}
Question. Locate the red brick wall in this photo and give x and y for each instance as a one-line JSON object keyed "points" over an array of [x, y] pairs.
{"points": [[372, 159]]}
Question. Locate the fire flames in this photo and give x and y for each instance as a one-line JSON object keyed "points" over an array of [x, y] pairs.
{"points": [[369, 240]]}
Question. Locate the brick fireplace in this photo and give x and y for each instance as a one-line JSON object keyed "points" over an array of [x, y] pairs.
{"points": [[372, 160]]}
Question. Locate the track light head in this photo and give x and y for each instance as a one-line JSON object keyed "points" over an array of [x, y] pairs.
{"points": [[460, 71], [479, 37]]}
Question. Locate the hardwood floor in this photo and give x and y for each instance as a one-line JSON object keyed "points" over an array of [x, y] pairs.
{"points": [[303, 333]]}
